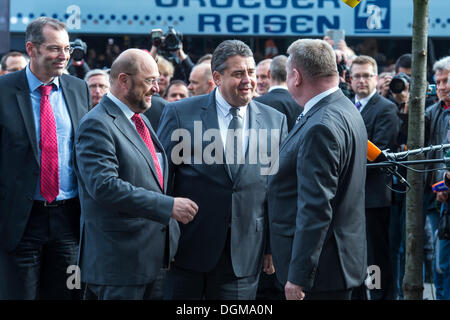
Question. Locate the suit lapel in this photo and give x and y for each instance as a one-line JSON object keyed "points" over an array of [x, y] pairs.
{"points": [[210, 121], [26, 109], [124, 126], [69, 97]]}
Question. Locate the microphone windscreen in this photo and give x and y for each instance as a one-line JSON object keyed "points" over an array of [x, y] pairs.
{"points": [[372, 151]]}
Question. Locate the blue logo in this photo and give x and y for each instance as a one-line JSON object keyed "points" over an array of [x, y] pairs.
{"points": [[373, 16]]}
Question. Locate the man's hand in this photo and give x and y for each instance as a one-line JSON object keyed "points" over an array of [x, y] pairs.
{"points": [[268, 267], [383, 85], [442, 196], [184, 210], [293, 291], [180, 53]]}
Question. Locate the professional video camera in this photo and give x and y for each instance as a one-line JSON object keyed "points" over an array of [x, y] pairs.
{"points": [[172, 39], [79, 49]]}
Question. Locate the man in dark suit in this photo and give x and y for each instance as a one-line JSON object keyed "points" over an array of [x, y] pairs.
{"points": [[316, 200], [155, 111], [382, 125], [40, 108], [220, 255], [127, 230], [278, 96]]}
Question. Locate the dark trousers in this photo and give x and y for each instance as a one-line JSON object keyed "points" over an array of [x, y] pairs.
{"points": [[378, 251], [329, 295], [101, 292], [37, 268], [219, 284]]}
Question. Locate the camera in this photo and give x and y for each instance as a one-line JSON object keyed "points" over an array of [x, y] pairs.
{"points": [[172, 39], [79, 49], [399, 82]]}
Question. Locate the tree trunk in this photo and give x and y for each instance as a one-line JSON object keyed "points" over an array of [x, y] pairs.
{"points": [[413, 280]]}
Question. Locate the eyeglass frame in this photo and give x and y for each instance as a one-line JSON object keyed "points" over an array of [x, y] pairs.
{"points": [[365, 76], [67, 50], [151, 82]]}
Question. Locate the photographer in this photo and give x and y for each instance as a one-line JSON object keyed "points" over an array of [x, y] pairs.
{"points": [[170, 46], [77, 66], [344, 76]]}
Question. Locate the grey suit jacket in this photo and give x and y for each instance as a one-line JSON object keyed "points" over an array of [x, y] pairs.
{"points": [[222, 201], [316, 200], [125, 213], [19, 157]]}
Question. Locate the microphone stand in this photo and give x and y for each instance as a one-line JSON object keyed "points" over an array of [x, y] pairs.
{"points": [[391, 165]]}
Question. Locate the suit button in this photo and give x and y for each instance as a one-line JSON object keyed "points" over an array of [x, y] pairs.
{"points": [[30, 199], [163, 229]]}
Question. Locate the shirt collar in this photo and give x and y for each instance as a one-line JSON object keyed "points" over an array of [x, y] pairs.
{"points": [[277, 87], [317, 98], [125, 109], [364, 101], [34, 82], [224, 107]]}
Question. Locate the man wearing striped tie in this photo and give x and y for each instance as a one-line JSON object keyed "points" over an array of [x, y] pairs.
{"points": [[128, 228]]}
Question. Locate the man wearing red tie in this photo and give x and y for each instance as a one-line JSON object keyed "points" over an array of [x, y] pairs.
{"points": [[128, 227], [40, 108]]}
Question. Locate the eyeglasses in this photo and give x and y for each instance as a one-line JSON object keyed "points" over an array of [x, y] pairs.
{"points": [[148, 81], [56, 49], [100, 86], [364, 76]]}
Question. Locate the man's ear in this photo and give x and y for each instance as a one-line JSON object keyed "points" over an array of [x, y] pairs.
{"points": [[29, 48], [123, 80], [298, 77], [217, 77]]}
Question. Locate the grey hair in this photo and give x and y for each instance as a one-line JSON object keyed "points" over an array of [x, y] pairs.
{"points": [[278, 68], [442, 64], [34, 29], [228, 48], [315, 58], [96, 72]]}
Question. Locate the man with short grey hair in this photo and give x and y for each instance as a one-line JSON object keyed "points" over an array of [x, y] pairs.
{"points": [[437, 118], [200, 79], [316, 200], [263, 76], [222, 253], [98, 83], [278, 95], [40, 108]]}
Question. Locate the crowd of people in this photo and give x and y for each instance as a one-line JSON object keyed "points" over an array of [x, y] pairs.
{"points": [[119, 171]]}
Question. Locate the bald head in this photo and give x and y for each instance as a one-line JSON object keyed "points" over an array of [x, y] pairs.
{"points": [[200, 79], [130, 61], [133, 79]]}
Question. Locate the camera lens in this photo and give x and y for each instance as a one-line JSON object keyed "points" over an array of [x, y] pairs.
{"points": [[397, 85]]}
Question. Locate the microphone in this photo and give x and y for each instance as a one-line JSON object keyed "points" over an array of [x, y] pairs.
{"points": [[374, 154]]}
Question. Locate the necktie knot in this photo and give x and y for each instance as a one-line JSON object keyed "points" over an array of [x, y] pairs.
{"points": [[234, 112], [136, 117], [358, 105], [46, 89]]}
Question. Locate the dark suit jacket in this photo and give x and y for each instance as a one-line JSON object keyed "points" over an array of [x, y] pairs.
{"points": [[222, 202], [124, 212], [383, 125], [154, 112], [19, 160], [316, 200], [281, 100]]}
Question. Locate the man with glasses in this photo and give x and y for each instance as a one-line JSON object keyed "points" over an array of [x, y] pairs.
{"points": [[98, 83], [128, 223], [40, 108], [382, 124]]}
